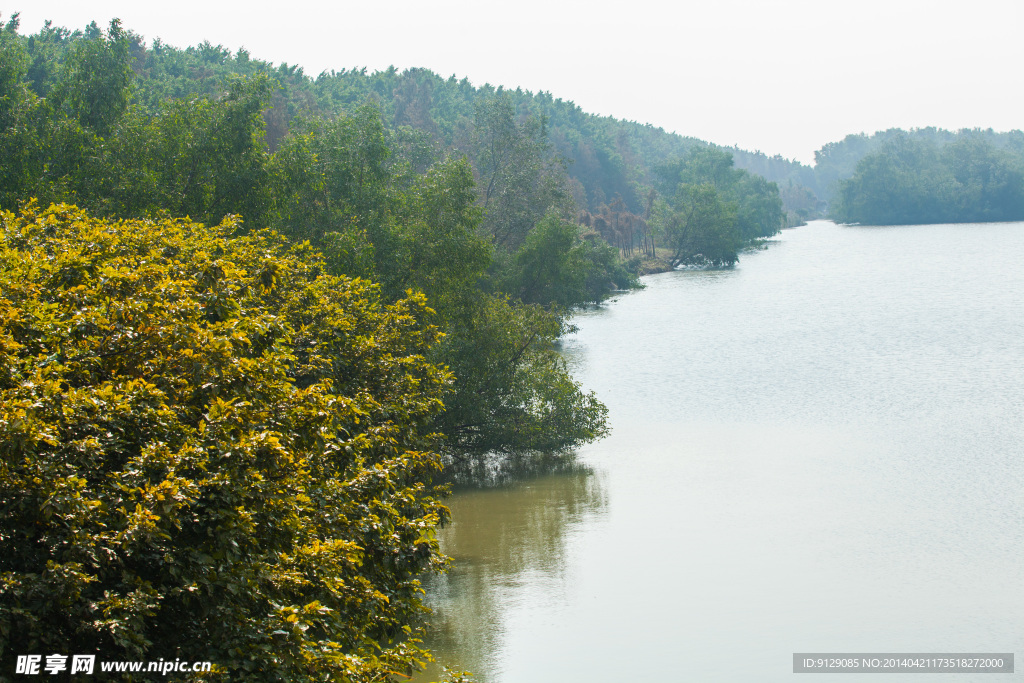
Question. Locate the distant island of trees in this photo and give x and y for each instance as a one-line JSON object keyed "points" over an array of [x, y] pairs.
{"points": [[913, 179]]}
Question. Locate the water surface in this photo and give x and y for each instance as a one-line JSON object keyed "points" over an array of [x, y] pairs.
{"points": [[817, 451]]}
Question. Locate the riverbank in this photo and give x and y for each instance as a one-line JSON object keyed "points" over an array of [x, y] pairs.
{"points": [[659, 263]]}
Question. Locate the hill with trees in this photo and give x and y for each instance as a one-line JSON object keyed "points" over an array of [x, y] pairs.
{"points": [[603, 157]]}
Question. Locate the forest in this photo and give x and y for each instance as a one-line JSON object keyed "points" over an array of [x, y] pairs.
{"points": [[253, 323]]}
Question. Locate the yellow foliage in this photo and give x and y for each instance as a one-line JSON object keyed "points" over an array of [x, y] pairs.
{"points": [[207, 446]]}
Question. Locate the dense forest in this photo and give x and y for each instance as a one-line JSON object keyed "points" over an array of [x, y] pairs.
{"points": [[603, 158], [597, 160]]}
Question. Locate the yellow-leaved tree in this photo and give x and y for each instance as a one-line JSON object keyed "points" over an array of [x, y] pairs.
{"points": [[209, 450]]}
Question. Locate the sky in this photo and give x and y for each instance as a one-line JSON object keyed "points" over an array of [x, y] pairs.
{"points": [[779, 76]]}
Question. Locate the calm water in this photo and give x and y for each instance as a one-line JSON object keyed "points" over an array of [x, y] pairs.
{"points": [[821, 450]]}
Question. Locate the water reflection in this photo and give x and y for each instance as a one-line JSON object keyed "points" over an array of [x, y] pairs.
{"points": [[498, 471], [508, 543]]}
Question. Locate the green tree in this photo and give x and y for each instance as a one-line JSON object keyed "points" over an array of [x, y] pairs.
{"points": [[759, 211], [443, 253], [991, 181], [514, 394], [520, 181], [19, 139], [911, 180], [557, 266], [342, 185], [755, 205], [196, 157], [334, 177], [210, 450], [700, 227], [94, 86], [890, 186]]}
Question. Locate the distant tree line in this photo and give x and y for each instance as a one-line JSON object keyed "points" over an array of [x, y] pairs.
{"points": [[914, 180], [838, 161], [604, 158]]}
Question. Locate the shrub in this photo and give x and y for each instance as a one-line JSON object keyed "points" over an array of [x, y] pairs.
{"points": [[209, 450]]}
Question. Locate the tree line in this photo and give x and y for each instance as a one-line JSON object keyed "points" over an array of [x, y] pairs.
{"points": [[606, 160], [604, 157], [910, 179]]}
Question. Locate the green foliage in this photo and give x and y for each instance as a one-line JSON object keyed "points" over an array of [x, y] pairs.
{"points": [[756, 203], [557, 266], [759, 210], [342, 185], [13, 67], [94, 86], [531, 153], [606, 157], [443, 252], [700, 227], [837, 161], [209, 449], [712, 209], [195, 157], [73, 90], [17, 106], [520, 182], [333, 177], [514, 394], [392, 205], [913, 181]]}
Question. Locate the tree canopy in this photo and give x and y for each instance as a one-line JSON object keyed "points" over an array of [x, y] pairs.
{"points": [[914, 181], [380, 203], [711, 209], [211, 449]]}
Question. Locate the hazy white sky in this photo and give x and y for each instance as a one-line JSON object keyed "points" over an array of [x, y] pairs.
{"points": [[780, 76]]}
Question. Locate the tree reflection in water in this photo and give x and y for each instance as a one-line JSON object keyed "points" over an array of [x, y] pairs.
{"points": [[511, 521]]}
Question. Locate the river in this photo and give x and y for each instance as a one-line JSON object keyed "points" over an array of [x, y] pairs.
{"points": [[819, 450]]}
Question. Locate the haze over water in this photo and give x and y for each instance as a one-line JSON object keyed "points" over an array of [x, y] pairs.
{"points": [[817, 451]]}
